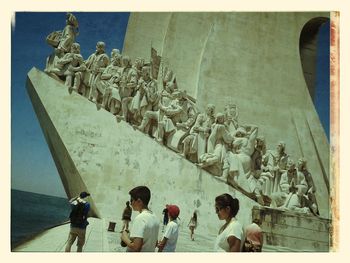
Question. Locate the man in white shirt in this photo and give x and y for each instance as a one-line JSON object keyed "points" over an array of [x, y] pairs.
{"points": [[145, 228]]}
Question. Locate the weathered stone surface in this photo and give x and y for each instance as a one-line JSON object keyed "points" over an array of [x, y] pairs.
{"points": [[298, 231]]}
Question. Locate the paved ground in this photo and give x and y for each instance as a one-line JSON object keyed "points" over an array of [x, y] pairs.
{"points": [[98, 239]]}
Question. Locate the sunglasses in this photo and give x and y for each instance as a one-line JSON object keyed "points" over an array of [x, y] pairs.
{"points": [[217, 209], [132, 200]]}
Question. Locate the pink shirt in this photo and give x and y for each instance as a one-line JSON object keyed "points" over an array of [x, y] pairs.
{"points": [[254, 234]]}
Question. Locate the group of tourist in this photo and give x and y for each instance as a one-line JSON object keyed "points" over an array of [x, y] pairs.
{"points": [[143, 236]]}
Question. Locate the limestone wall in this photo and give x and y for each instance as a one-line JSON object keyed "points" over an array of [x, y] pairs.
{"points": [[300, 232], [251, 59]]}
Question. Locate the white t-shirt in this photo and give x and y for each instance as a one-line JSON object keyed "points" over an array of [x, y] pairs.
{"points": [[146, 226], [234, 228], [171, 233]]}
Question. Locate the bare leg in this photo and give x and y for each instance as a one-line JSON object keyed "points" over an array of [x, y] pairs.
{"points": [[79, 248], [192, 233], [186, 149], [68, 81], [77, 81], [160, 132]]}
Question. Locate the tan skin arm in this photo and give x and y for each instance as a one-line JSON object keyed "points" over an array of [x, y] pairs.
{"points": [[234, 244], [261, 239], [135, 244], [162, 244]]}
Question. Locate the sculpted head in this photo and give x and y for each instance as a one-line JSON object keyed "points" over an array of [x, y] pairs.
{"points": [[100, 47], [260, 142], [210, 110], [168, 75], [281, 147], [170, 87], [75, 48], [180, 95], [231, 112], [114, 52], [71, 20], [241, 132], [146, 72], [290, 165], [265, 159], [126, 62], [302, 164], [139, 62], [116, 60], [220, 118]]}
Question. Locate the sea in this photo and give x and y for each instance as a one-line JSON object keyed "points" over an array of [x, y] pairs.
{"points": [[32, 213]]}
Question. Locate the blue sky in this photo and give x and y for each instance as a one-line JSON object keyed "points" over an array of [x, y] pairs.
{"points": [[321, 99], [32, 167]]}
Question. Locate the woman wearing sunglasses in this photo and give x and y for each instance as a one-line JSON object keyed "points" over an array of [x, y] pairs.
{"points": [[230, 234]]}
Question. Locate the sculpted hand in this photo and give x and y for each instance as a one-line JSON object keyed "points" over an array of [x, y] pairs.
{"points": [[196, 129], [180, 125]]}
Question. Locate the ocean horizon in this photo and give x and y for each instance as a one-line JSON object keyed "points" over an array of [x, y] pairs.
{"points": [[32, 213]]}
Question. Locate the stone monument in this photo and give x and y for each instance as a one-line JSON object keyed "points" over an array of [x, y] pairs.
{"points": [[219, 60]]}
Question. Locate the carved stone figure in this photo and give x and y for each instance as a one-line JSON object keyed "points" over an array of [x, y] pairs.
{"points": [[74, 73], [289, 178], [96, 64], [310, 198], [237, 167], [257, 155], [110, 80], [179, 114], [127, 86], [62, 41], [146, 97], [293, 191], [231, 117], [260, 174], [138, 65], [217, 143], [166, 94], [69, 33], [51, 63], [196, 141], [302, 168], [278, 161], [60, 65], [168, 76], [70, 67], [266, 176], [293, 201]]}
